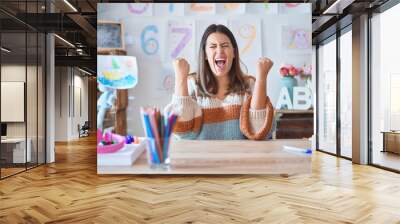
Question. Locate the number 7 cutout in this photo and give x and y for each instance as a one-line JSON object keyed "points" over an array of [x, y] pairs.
{"points": [[187, 36]]}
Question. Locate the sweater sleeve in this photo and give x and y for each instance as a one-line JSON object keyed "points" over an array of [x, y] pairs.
{"points": [[190, 116], [256, 124]]}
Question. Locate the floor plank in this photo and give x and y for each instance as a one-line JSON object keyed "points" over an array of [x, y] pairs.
{"points": [[70, 191], [387, 159]]}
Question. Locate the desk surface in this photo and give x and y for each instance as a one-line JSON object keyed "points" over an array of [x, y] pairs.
{"points": [[225, 157]]}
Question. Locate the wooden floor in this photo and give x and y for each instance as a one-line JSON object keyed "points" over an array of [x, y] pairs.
{"points": [[10, 171], [5, 172], [70, 191], [387, 159]]}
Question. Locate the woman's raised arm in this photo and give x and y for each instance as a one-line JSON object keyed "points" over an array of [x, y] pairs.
{"points": [[259, 96], [181, 67]]}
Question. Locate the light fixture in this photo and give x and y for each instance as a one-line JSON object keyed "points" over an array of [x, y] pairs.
{"points": [[80, 51], [329, 9], [337, 7], [84, 71], [5, 50], [65, 41], [70, 5]]}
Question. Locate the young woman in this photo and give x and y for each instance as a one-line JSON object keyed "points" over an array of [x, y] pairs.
{"points": [[220, 101]]}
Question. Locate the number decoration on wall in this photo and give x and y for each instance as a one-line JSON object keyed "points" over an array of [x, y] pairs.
{"points": [[150, 45], [180, 41], [292, 5], [295, 8], [231, 6], [169, 9], [261, 8], [247, 32], [168, 82], [138, 8], [200, 8], [187, 36]]}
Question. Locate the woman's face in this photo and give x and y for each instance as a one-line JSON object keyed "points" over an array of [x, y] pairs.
{"points": [[220, 53]]}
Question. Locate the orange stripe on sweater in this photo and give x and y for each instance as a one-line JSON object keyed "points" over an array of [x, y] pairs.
{"points": [[190, 125], [209, 116], [221, 114]]}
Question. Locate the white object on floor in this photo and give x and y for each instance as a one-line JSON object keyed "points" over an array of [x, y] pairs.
{"points": [[124, 157]]}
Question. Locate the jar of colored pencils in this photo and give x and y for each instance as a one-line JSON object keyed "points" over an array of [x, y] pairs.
{"points": [[158, 129], [157, 159]]}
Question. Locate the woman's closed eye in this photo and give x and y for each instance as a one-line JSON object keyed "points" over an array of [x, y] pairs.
{"points": [[213, 46], [222, 46]]}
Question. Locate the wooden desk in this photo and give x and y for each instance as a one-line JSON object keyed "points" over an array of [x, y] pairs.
{"points": [[294, 124], [225, 157]]}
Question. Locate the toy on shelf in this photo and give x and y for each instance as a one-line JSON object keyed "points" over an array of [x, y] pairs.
{"points": [[118, 150], [109, 142], [129, 139]]}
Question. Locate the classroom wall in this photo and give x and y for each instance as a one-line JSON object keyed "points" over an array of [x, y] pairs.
{"points": [[146, 37], [71, 102]]}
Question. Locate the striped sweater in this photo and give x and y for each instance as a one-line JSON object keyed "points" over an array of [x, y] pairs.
{"points": [[207, 118]]}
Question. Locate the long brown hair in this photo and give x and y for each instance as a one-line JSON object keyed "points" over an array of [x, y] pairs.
{"points": [[205, 80]]}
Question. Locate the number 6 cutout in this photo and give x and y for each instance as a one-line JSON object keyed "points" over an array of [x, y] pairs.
{"points": [[150, 45]]}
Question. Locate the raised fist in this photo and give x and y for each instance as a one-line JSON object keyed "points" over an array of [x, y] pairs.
{"points": [[263, 67], [181, 67]]}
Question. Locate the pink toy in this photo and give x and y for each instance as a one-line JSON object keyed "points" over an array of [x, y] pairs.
{"points": [[107, 138], [99, 136], [120, 142]]}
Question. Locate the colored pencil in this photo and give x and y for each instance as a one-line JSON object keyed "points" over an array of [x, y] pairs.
{"points": [[149, 134], [158, 127], [153, 123]]}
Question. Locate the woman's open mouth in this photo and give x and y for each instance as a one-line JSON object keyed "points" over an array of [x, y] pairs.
{"points": [[220, 64]]}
